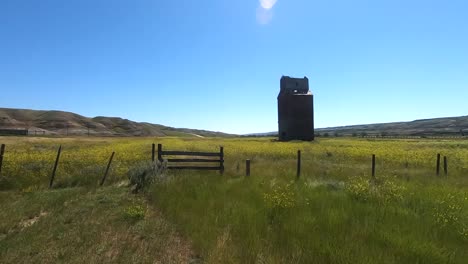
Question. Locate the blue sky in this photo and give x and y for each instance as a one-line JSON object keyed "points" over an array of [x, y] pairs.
{"points": [[216, 65]]}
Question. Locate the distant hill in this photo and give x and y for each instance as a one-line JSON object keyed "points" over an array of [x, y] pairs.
{"points": [[63, 123], [446, 126]]}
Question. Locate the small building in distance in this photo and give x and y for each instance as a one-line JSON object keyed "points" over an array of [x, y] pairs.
{"points": [[295, 110], [13, 132]]}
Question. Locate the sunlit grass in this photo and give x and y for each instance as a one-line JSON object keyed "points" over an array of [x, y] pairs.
{"points": [[84, 225], [334, 213]]}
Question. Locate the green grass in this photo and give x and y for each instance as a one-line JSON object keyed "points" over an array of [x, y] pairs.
{"points": [[332, 214], [80, 225], [233, 220]]}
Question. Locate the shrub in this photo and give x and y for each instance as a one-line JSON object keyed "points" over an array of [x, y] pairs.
{"points": [[135, 212], [145, 173]]}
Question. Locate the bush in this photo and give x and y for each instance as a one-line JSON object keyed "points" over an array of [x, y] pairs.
{"points": [[145, 173], [135, 212]]}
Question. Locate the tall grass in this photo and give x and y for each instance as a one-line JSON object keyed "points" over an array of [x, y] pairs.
{"points": [[332, 214], [276, 220]]}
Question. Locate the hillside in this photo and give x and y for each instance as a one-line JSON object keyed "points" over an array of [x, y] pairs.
{"points": [[66, 123], [446, 126]]}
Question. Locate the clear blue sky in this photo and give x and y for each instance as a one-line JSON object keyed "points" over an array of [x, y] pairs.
{"points": [[216, 65]]}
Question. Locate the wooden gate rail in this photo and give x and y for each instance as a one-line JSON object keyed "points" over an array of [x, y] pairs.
{"points": [[211, 157]]}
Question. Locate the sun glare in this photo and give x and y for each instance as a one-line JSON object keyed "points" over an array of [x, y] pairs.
{"points": [[264, 16], [265, 11], [267, 4]]}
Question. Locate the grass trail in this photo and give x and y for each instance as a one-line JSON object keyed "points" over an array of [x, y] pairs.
{"points": [[78, 225]]}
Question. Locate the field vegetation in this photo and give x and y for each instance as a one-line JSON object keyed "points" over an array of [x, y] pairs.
{"points": [[334, 213]]}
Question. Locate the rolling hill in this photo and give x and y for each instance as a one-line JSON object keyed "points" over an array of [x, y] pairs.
{"points": [[445, 126], [67, 123]]}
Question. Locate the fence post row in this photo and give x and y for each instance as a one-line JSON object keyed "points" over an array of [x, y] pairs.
{"points": [[107, 169], [2, 152], [55, 167], [221, 162]]}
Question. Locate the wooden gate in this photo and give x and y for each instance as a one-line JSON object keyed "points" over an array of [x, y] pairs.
{"points": [[189, 160]]}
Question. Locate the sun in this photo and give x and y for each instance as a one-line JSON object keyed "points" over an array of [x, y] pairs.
{"points": [[267, 4]]}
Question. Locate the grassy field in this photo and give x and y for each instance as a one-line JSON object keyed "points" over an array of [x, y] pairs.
{"points": [[83, 225], [332, 214]]}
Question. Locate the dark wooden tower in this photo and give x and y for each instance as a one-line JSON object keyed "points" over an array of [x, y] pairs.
{"points": [[295, 110]]}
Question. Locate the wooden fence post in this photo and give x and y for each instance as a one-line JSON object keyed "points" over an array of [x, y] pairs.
{"points": [[160, 153], [373, 166], [2, 152], [247, 167], [153, 152], [445, 166], [221, 160], [107, 169], [438, 164], [298, 174], [55, 167]]}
